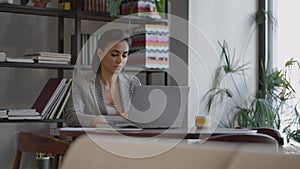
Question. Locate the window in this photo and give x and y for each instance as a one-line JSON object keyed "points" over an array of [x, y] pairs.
{"points": [[288, 37]]}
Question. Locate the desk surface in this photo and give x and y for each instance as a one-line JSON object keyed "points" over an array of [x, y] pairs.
{"points": [[192, 133]]}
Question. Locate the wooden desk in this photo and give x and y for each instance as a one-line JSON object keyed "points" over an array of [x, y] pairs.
{"points": [[193, 133]]}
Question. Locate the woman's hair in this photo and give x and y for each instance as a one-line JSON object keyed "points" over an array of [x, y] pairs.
{"points": [[113, 35]]}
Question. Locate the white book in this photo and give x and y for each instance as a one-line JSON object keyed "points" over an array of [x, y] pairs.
{"points": [[53, 97], [3, 116], [54, 104], [50, 54], [24, 117], [51, 58], [61, 108], [60, 99], [22, 112], [20, 59], [52, 62], [2, 56], [3, 112]]}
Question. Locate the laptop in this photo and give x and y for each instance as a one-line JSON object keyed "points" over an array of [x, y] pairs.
{"points": [[154, 107]]}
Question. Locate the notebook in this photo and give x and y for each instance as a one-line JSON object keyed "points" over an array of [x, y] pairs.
{"points": [[152, 107]]}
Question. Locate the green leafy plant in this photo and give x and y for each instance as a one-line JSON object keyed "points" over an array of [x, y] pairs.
{"points": [[114, 6], [24, 2], [268, 107]]}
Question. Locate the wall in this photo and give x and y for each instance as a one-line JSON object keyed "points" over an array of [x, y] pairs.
{"points": [[212, 21]]}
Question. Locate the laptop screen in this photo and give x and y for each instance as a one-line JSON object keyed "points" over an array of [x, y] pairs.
{"points": [[158, 106]]}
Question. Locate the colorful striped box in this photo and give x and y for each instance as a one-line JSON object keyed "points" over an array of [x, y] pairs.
{"points": [[143, 8], [150, 47]]}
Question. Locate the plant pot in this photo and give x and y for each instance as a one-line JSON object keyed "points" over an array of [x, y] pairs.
{"points": [[43, 162]]}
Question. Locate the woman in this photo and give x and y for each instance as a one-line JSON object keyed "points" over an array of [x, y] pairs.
{"points": [[106, 90]]}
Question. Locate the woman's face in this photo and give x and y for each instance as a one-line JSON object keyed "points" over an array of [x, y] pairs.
{"points": [[115, 57]]}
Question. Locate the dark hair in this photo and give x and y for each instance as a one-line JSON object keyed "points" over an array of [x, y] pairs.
{"points": [[113, 35]]}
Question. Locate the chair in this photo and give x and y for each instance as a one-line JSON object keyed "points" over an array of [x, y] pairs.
{"points": [[271, 132], [245, 138], [31, 142], [96, 151]]}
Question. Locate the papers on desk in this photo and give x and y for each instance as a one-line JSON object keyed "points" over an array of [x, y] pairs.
{"points": [[190, 133], [117, 127], [98, 128], [117, 121], [114, 123]]}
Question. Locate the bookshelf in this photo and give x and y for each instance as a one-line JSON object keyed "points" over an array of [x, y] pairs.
{"points": [[77, 15], [59, 67]]}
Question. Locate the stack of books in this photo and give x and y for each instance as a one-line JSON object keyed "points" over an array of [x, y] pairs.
{"points": [[22, 114], [53, 97], [50, 57], [3, 114]]}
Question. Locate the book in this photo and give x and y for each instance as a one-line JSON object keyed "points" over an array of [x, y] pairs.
{"points": [[50, 110], [53, 100], [22, 112], [24, 117], [62, 106], [59, 99], [49, 54], [51, 62], [2, 56], [3, 111], [19, 59], [3, 114], [51, 58], [47, 94]]}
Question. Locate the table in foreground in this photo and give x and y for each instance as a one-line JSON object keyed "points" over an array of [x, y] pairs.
{"points": [[183, 133]]}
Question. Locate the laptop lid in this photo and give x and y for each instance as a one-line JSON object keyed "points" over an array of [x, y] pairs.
{"points": [[158, 106]]}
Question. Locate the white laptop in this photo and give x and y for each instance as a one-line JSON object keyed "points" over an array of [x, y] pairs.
{"points": [[158, 107]]}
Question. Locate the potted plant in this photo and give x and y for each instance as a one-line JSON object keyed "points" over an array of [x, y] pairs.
{"points": [[271, 106]]}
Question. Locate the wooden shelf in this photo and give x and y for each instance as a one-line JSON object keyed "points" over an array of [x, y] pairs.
{"points": [[31, 10], [140, 69], [55, 12], [32, 121], [35, 65]]}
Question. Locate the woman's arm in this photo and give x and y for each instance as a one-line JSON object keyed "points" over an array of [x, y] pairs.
{"points": [[81, 109]]}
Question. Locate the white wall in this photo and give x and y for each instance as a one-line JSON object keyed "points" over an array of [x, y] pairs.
{"points": [[212, 21]]}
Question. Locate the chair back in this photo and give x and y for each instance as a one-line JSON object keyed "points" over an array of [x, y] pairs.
{"points": [[32, 142], [271, 132], [101, 151], [245, 138]]}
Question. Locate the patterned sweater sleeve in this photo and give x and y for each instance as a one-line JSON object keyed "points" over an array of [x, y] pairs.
{"points": [[74, 112]]}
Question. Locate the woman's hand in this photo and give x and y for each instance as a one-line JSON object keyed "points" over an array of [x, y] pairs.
{"points": [[124, 114], [97, 120]]}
